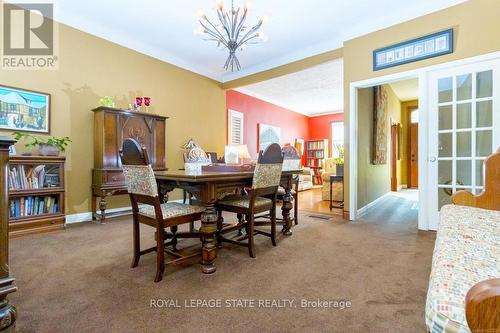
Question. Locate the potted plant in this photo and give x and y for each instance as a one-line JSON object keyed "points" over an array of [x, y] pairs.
{"points": [[46, 147], [339, 160]]}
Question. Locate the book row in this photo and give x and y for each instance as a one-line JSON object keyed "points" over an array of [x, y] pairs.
{"points": [[33, 205]]}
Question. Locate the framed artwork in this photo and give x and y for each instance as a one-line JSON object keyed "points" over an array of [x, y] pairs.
{"points": [[299, 145], [268, 134], [429, 46], [380, 126], [24, 110]]}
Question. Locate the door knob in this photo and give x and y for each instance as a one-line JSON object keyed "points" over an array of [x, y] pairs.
{"points": [[432, 159]]}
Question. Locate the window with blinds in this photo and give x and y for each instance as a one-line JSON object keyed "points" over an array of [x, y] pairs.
{"points": [[235, 130]]}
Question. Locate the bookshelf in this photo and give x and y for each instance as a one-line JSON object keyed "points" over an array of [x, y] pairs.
{"points": [[36, 194], [316, 152]]}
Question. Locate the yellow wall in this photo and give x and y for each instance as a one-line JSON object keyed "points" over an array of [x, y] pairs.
{"points": [[476, 25], [406, 108], [90, 68]]}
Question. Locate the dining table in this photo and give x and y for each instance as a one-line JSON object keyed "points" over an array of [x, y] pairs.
{"points": [[210, 186]]}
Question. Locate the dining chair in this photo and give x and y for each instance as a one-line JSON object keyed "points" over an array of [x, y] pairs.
{"points": [[143, 189], [260, 198], [291, 161]]}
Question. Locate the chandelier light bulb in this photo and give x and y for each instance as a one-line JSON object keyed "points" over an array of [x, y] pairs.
{"points": [[248, 5], [219, 4], [200, 30], [264, 19], [200, 13]]}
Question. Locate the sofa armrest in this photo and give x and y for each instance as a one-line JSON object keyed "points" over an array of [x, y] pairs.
{"points": [[482, 306]]}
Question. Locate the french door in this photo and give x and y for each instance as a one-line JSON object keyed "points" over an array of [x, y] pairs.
{"points": [[464, 128]]}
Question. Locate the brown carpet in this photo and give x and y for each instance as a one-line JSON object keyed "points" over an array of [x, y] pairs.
{"points": [[79, 280]]}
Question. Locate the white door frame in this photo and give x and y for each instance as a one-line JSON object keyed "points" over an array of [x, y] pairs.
{"points": [[423, 144]]}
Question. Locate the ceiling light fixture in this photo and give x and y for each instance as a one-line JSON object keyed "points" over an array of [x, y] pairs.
{"points": [[230, 31]]}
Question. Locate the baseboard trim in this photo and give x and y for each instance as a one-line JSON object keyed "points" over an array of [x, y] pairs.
{"points": [[87, 216], [363, 210]]}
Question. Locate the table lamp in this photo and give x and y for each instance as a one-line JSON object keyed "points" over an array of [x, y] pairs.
{"points": [[243, 154]]}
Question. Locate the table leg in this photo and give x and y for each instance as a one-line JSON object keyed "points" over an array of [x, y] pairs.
{"points": [[208, 231], [286, 208]]}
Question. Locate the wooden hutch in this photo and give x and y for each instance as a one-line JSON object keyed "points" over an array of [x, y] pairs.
{"points": [[111, 127]]}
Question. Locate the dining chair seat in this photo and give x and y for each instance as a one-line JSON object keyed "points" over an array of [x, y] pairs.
{"points": [[171, 210], [244, 202]]}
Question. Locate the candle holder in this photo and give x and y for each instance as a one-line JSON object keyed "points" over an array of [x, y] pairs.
{"points": [[147, 102], [138, 104]]}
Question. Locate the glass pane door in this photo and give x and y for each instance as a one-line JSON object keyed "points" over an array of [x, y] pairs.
{"points": [[463, 115], [465, 126]]}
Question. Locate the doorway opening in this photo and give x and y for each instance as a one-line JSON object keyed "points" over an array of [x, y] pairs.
{"points": [[388, 144]]}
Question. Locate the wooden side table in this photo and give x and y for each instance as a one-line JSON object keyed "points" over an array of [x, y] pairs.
{"points": [[336, 179]]}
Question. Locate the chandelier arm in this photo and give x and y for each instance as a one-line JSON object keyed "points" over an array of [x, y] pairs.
{"points": [[235, 15], [240, 25], [227, 19], [217, 38], [214, 32], [246, 40], [223, 21], [249, 33]]}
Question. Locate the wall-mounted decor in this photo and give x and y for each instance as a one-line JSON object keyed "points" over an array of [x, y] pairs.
{"points": [[380, 126], [299, 145], [24, 110], [429, 46], [268, 134]]}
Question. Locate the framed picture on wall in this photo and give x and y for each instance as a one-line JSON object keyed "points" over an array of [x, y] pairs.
{"points": [[299, 145], [24, 110], [268, 134]]}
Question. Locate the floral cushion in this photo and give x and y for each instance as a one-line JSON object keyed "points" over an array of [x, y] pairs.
{"points": [[171, 210], [266, 175], [244, 202], [140, 179], [467, 251]]}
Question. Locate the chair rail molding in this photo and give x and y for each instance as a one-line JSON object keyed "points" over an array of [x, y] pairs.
{"points": [[8, 313]]}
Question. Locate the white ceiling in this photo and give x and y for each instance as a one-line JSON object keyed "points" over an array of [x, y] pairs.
{"points": [[406, 90], [313, 91], [296, 28]]}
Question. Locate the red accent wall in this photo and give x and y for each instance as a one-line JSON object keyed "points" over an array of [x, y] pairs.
{"points": [[293, 125], [320, 127]]}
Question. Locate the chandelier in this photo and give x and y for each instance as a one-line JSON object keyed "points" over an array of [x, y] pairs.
{"points": [[230, 31]]}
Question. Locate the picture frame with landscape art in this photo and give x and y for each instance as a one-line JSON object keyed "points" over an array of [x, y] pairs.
{"points": [[24, 110], [268, 134]]}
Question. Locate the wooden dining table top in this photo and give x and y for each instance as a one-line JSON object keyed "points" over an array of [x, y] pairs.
{"points": [[209, 176]]}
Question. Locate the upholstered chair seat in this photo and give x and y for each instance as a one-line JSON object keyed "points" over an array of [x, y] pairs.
{"points": [[261, 204], [170, 210]]}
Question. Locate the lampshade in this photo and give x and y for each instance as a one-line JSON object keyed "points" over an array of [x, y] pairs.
{"points": [[243, 152]]}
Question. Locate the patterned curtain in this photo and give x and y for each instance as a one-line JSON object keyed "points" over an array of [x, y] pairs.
{"points": [[380, 127]]}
